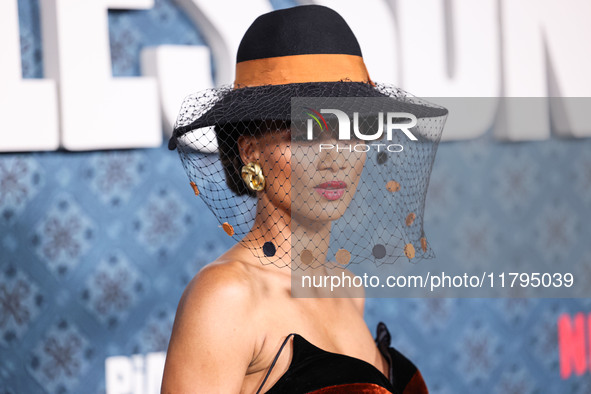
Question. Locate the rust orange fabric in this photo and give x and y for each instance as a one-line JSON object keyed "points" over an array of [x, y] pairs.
{"points": [[300, 69], [358, 388]]}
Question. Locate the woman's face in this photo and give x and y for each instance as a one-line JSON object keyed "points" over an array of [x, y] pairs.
{"points": [[312, 180]]}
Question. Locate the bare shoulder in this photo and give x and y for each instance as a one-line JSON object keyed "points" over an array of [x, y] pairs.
{"points": [[213, 338], [220, 282]]}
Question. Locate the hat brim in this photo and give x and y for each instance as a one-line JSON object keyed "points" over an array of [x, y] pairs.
{"points": [[273, 102]]}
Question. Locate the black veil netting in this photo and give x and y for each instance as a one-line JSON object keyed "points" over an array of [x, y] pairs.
{"points": [[331, 195]]}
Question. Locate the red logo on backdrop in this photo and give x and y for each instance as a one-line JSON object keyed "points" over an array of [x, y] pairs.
{"points": [[573, 335]]}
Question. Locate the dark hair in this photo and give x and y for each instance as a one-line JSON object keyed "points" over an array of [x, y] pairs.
{"points": [[227, 138]]}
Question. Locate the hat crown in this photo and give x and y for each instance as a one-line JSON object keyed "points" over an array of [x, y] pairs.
{"points": [[302, 30]]}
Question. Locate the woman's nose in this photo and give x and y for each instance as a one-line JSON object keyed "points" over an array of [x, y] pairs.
{"points": [[334, 154]]}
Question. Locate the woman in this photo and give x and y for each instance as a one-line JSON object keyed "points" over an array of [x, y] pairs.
{"points": [[293, 197]]}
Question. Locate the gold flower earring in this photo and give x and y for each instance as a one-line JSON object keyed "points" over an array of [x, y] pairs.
{"points": [[253, 176]]}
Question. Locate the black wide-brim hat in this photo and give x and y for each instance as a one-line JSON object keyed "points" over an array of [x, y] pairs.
{"points": [[295, 65], [305, 51]]}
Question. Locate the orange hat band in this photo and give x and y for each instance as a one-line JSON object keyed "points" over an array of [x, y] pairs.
{"points": [[301, 69]]}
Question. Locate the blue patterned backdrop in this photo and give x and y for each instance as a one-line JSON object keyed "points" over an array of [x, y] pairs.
{"points": [[96, 248]]}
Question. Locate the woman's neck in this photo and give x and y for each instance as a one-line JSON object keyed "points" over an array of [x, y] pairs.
{"points": [[298, 240]]}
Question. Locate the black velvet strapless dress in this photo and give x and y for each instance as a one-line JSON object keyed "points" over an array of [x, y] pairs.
{"points": [[313, 370]]}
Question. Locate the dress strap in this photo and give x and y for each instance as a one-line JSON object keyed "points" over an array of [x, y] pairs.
{"points": [[404, 375], [383, 340], [274, 361]]}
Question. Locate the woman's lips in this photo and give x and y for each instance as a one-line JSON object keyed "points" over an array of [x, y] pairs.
{"points": [[332, 190]]}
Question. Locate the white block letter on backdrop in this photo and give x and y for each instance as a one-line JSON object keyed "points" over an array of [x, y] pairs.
{"points": [[136, 374], [180, 70], [546, 40], [28, 108], [97, 111], [451, 49], [223, 23], [119, 375]]}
